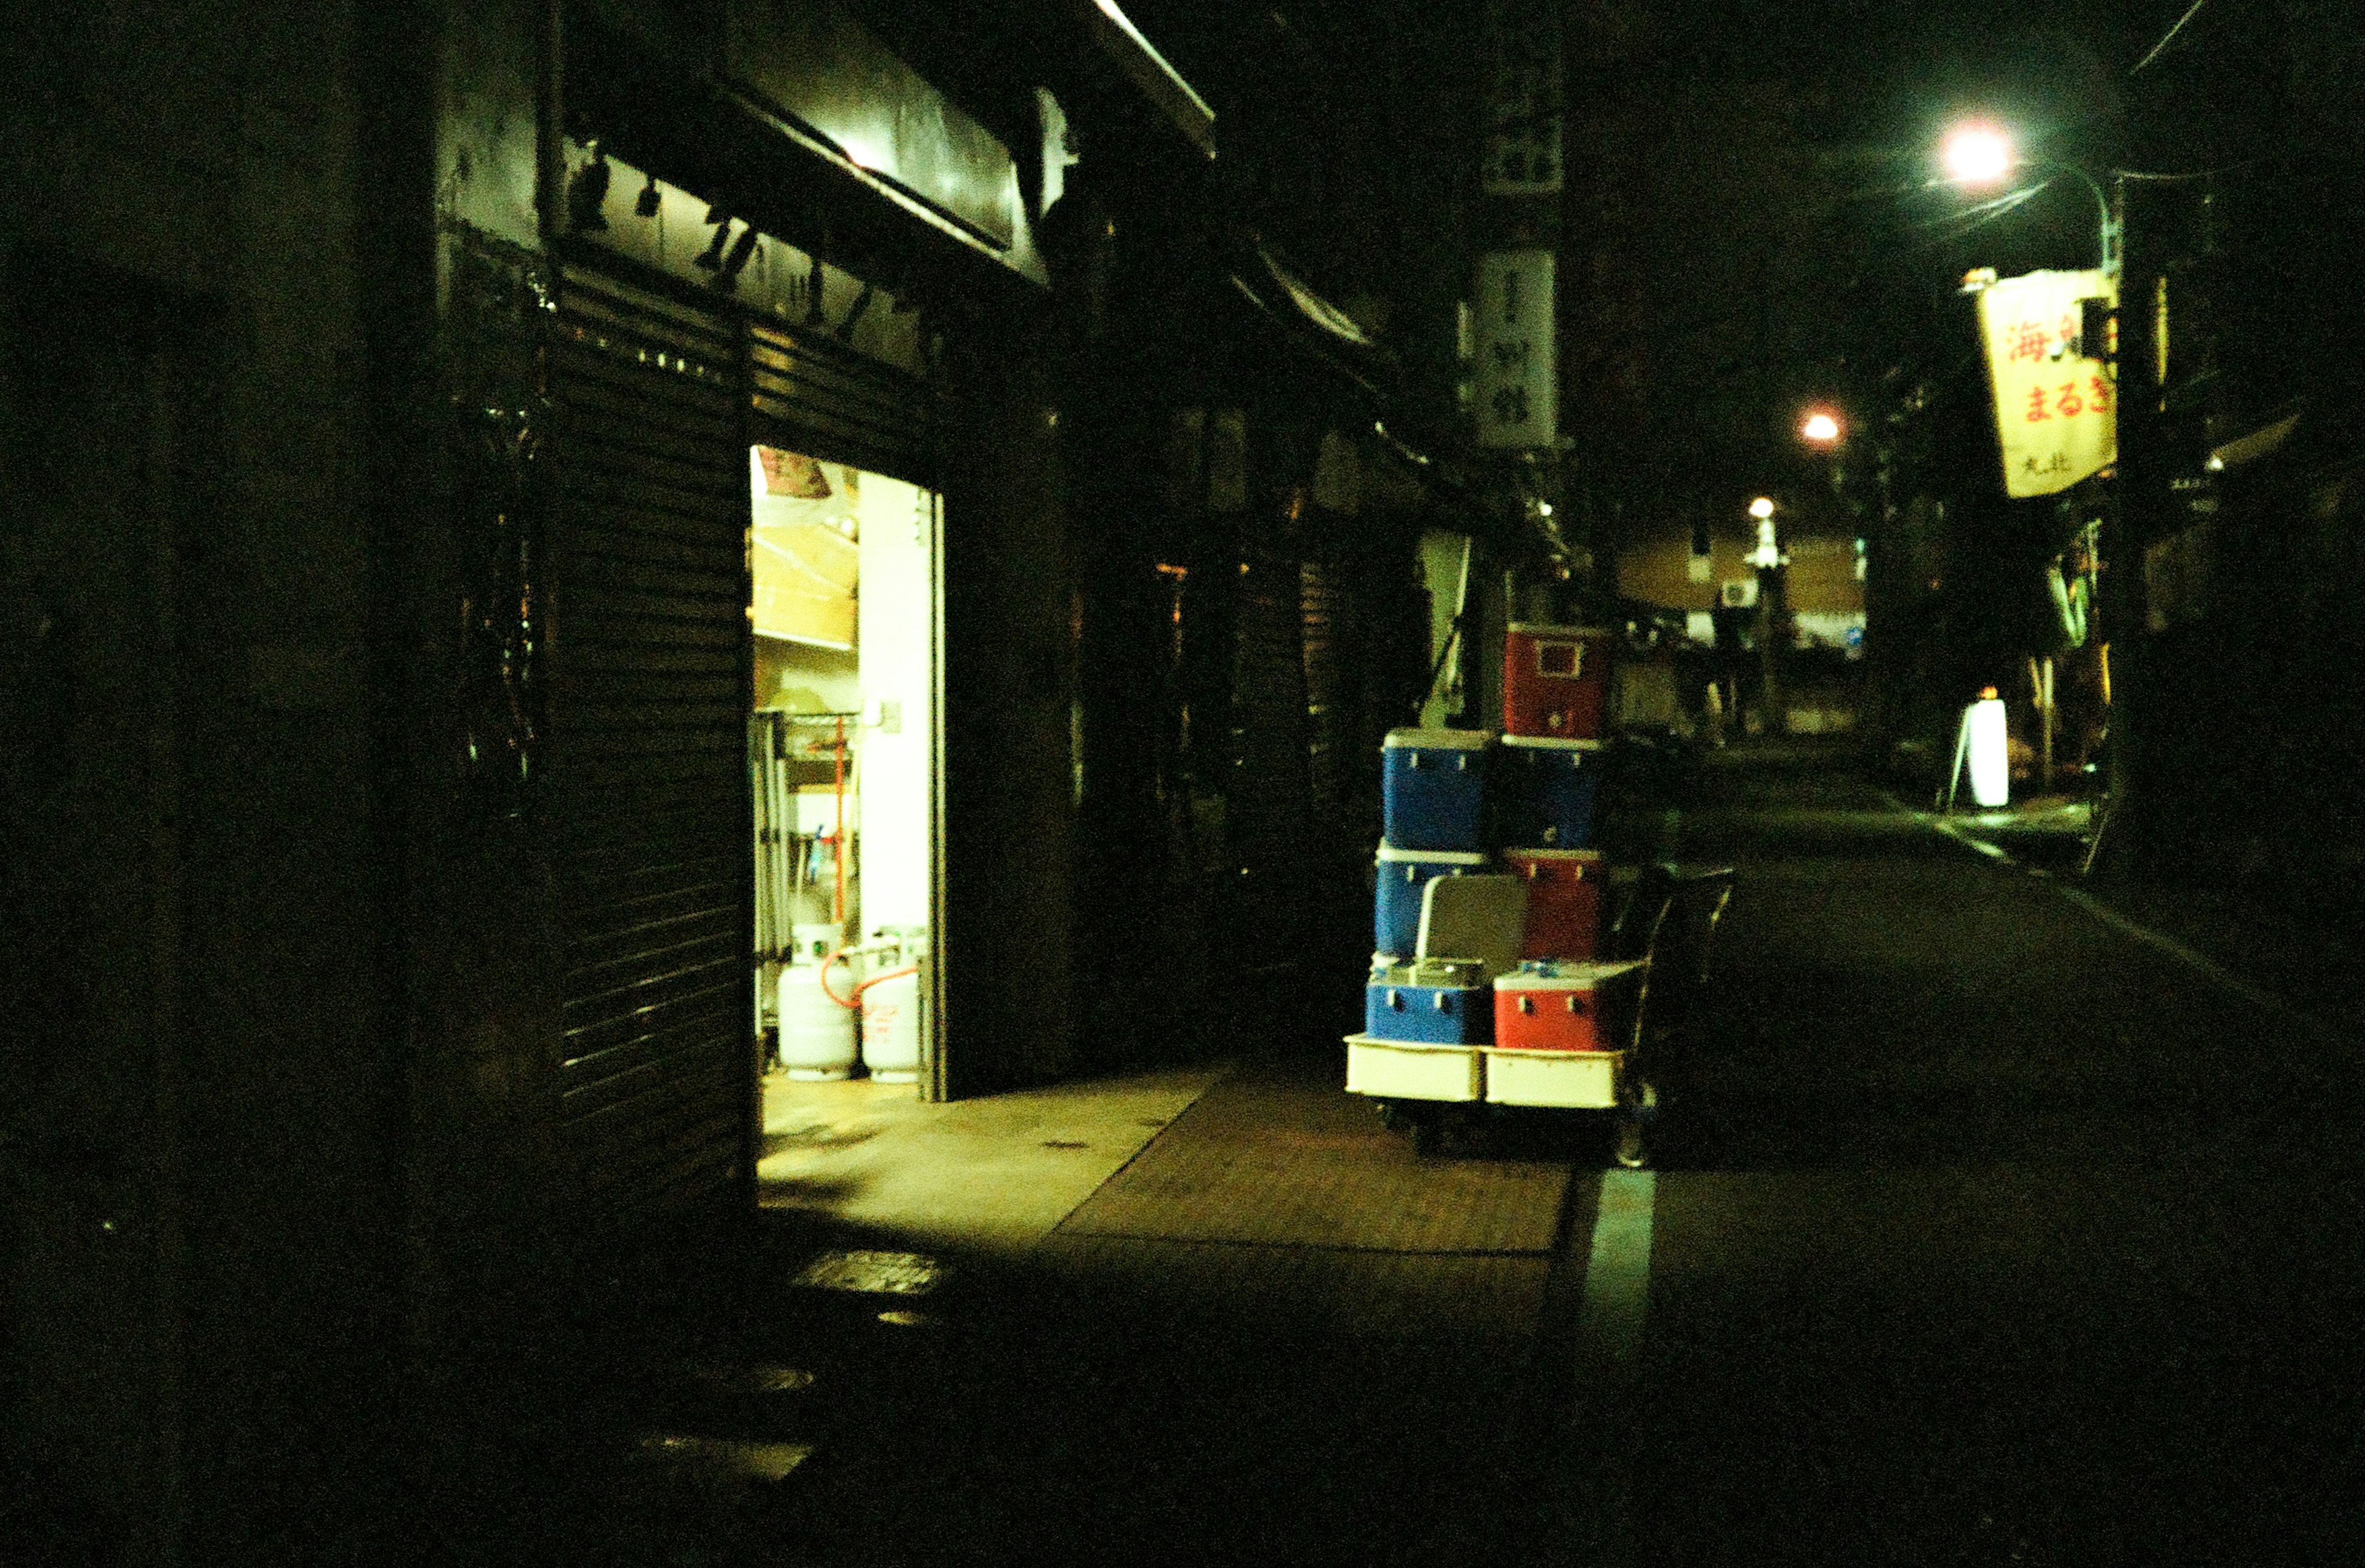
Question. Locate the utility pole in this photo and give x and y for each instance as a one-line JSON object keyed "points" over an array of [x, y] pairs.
{"points": [[2137, 501], [1773, 604]]}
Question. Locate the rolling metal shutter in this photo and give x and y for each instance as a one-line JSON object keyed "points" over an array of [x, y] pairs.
{"points": [[1342, 760], [1331, 716], [815, 396], [649, 660], [1268, 805]]}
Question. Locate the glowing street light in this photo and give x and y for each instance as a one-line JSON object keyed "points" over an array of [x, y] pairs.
{"points": [[1976, 154], [1820, 428], [1769, 550]]}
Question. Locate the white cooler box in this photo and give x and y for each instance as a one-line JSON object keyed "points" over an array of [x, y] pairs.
{"points": [[1578, 1081], [1405, 1069]]}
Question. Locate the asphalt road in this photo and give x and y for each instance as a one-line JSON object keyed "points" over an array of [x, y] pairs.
{"points": [[1984, 1231], [1991, 1232]]}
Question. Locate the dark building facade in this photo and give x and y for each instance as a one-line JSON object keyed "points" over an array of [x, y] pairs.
{"points": [[398, 404]]}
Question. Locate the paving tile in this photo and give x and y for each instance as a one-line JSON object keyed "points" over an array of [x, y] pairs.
{"points": [[1284, 1156]]}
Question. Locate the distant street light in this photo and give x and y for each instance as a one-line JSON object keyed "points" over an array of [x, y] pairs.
{"points": [[1762, 508], [1820, 428]]}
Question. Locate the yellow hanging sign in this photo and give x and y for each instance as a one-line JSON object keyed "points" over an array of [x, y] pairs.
{"points": [[2056, 401]]}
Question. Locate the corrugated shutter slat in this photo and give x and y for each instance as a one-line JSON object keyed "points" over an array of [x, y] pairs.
{"points": [[822, 398], [648, 749]]}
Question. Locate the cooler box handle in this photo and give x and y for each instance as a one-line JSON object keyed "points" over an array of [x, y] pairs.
{"points": [[1563, 659]]}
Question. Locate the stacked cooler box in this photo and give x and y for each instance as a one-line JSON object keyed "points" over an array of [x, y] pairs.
{"points": [[1423, 1014], [1509, 1009], [1557, 1033], [1555, 1042], [1555, 681]]}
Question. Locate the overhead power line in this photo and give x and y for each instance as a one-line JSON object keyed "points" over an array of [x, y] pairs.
{"points": [[2191, 11]]}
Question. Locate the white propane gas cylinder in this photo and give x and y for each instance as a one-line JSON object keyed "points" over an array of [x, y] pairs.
{"points": [[891, 1027], [813, 942], [1991, 752], [817, 1034]]}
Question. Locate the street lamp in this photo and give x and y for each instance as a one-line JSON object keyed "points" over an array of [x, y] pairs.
{"points": [[1768, 561], [1978, 153], [1770, 549], [1820, 428]]}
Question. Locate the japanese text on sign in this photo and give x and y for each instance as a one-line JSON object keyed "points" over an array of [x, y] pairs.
{"points": [[1518, 400], [2056, 406], [1523, 98]]}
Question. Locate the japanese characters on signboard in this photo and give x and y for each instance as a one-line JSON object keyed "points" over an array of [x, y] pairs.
{"points": [[1523, 98], [2056, 403], [1518, 402]]}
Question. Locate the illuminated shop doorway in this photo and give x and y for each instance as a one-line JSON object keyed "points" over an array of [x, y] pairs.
{"points": [[844, 761]]}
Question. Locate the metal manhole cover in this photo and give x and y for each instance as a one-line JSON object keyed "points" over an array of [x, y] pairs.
{"points": [[724, 1457], [873, 1273], [757, 1379]]}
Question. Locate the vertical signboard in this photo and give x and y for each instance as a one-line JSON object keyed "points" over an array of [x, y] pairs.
{"points": [[1517, 403], [1523, 98], [2056, 406]]}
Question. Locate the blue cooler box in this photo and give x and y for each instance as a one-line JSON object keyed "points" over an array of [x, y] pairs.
{"points": [[1444, 1001], [1403, 873], [1433, 788], [1546, 792]]}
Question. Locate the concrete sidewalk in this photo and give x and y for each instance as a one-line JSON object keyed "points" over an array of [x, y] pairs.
{"points": [[990, 1176], [1275, 1335], [1092, 1322]]}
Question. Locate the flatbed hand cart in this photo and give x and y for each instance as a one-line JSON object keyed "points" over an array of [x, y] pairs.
{"points": [[1666, 923]]}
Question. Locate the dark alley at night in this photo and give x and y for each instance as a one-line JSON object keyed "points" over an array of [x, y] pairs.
{"points": [[811, 782]]}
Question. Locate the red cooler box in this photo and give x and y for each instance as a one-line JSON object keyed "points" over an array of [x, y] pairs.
{"points": [[1555, 1004], [1565, 892], [1555, 681]]}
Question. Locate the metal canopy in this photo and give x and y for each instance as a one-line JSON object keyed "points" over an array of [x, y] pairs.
{"points": [[1138, 60]]}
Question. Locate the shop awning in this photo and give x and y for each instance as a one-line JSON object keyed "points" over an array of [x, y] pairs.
{"points": [[1306, 318], [2260, 442], [1362, 372]]}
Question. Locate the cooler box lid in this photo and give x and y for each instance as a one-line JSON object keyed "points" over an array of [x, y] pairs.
{"points": [[1479, 918], [1551, 742], [1390, 853], [1440, 740], [1563, 974]]}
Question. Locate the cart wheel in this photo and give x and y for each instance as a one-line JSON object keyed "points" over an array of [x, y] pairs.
{"points": [[1391, 1115], [1634, 1129], [1428, 1134], [1634, 1148]]}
